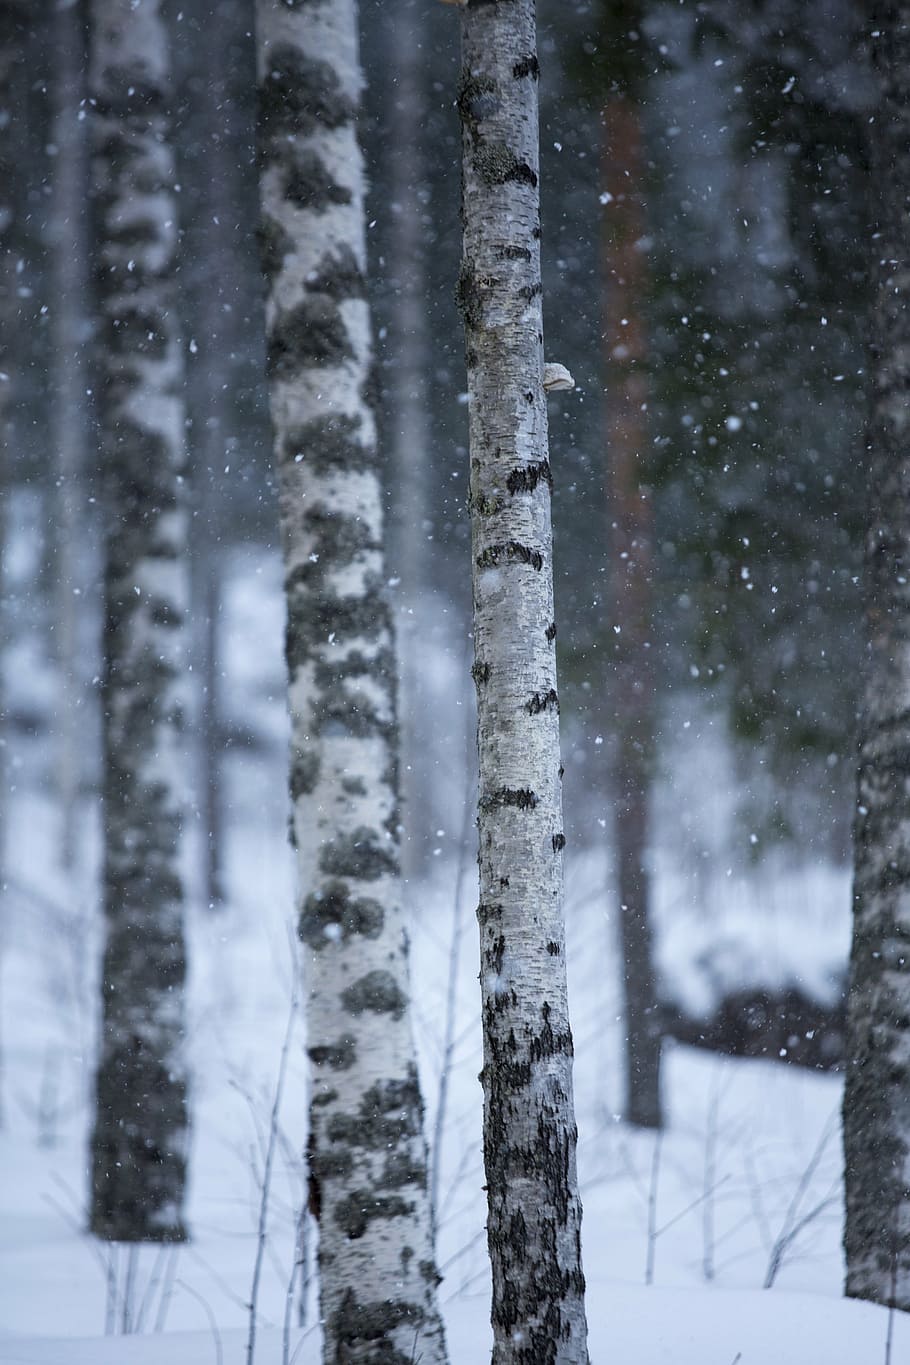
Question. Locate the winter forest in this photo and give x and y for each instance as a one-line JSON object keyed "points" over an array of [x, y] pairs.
{"points": [[455, 682]]}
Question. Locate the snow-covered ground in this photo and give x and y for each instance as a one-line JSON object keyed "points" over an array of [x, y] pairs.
{"points": [[681, 1233]]}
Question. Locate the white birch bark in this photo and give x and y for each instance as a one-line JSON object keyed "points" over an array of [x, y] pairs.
{"points": [[140, 1136], [877, 1089], [368, 1170], [534, 1221]]}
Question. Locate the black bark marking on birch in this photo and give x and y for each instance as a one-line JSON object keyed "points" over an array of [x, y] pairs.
{"points": [[299, 96], [353, 786], [530, 291], [516, 253], [324, 1098], [543, 701], [355, 1323], [481, 673], [311, 333], [337, 713], [361, 855], [471, 295], [338, 275], [550, 1042], [333, 914], [527, 66], [314, 618], [308, 182], [559, 842], [522, 798], [476, 98], [429, 1273], [388, 1114], [553, 949], [511, 552], [497, 164], [331, 675], [330, 1164], [487, 912], [305, 769], [275, 245], [377, 993], [338, 1056], [486, 505], [401, 1169], [526, 478], [551, 631]]}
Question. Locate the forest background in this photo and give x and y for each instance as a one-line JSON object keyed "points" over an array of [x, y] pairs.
{"points": [[753, 303]]}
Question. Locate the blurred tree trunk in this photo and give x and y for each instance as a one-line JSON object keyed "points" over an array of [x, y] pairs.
{"points": [[68, 248], [139, 1144], [13, 20], [367, 1154], [630, 548], [214, 71], [410, 349], [534, 1211], [877, 1091]]}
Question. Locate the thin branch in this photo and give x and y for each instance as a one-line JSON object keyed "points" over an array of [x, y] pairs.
{"points": [[216, 1335], [267, 1179]]}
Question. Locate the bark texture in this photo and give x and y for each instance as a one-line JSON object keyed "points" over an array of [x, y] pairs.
{"points": [[630, 539], [368, 1166], [140, 1135], [877, 1091], [534, 1219]]}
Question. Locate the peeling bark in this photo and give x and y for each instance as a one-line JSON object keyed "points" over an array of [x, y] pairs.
{"points": [[534, 1212], [366, 1146], [139, 1142], [877, 1089]]}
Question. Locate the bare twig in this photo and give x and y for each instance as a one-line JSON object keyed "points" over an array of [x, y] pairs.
{"points": [[652, 1208], [167, 1288], [790, 1227], [216, 1335], [129, 1288], [154, 1279], [267, 1179], [449, 1041]]}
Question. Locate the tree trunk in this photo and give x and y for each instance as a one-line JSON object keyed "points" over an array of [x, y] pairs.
{"points": [[367, 1153], [69, 281], [534, 1213], [140, 1137], [410, 435], [630, 540], [877, 1090], [13, 23]]}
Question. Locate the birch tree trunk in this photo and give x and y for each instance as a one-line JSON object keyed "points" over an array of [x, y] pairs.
{"points": [[368, 1168], [534, 1211], [140, 1135], [630, 536], [877, 1090]]}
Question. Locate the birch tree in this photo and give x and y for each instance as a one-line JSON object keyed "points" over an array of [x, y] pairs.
{"points": [[368, 1186], [534, 1211], [877, 1090], [140, 1133]]}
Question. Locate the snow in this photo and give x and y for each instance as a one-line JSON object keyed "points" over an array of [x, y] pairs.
{"points": [[680, 1233]]}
